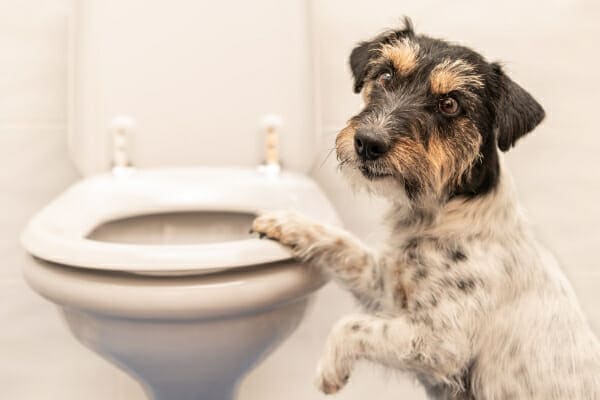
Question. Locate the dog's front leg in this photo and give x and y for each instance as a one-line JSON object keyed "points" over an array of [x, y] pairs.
{"points": [[388, 341], [398, 343], [332, 250]]}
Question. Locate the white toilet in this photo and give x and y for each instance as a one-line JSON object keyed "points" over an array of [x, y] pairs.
{"points": [[187, 321], [152, 266]]}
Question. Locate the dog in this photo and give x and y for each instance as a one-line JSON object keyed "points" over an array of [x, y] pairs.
{"points": [[461, 295]]}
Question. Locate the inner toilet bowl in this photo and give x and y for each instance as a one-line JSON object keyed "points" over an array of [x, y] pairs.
{"points": [[188, 321]]}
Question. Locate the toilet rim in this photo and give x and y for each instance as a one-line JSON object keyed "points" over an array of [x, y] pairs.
{"points": [[52, 237], [123, 295]]}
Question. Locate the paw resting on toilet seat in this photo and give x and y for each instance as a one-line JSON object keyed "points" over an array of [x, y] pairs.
{"points": [[289, 228]]}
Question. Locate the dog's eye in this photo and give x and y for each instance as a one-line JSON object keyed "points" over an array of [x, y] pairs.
{"points": [[384, 79], [449, 106]]}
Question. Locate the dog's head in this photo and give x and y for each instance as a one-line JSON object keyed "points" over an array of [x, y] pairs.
{"points": [[435, 114]]}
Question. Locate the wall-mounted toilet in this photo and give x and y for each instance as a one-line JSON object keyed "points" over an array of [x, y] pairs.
{"points": [[153, 267]]}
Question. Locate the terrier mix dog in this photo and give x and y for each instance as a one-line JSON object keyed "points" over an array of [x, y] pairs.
{"points": [[462, 296]]}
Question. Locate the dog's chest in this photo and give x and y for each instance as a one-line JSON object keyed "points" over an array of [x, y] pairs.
{"points": [[426, 274]]}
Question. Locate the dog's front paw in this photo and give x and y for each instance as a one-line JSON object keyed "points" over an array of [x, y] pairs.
{"points": [[331, 376], [286, 227]]}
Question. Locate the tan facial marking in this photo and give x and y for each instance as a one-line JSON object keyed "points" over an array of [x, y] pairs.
{"points": [[366, 92], [444, 161], [344, 142], [452, 157], [348, 130], [403, 54], [452, 75]]}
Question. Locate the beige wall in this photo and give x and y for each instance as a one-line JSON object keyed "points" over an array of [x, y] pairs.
{"points": [[549, 48]]}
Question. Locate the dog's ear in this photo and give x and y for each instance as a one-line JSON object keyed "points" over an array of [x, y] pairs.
{"points": [[517, 112], [359, 62], [365, 51]]}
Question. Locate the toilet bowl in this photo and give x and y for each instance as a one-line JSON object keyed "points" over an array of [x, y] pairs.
{"points": [[153, 268], [154, 271]]}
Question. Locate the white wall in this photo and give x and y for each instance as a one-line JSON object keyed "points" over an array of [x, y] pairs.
{"points": [[197, 77], [38, 358], [551, 50]]}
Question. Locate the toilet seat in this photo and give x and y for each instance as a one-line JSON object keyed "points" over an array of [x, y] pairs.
{"points": [[58, 233]]}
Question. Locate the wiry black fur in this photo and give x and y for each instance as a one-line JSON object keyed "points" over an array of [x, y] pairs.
{"points": [[517, 112]]}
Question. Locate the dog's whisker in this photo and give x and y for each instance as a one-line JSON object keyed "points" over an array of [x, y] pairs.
{"points": [[326, 157]]}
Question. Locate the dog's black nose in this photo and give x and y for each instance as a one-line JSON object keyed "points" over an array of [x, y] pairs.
{"points": [[369, 146]]}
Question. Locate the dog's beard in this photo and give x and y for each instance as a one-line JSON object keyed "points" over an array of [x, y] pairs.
{"points": [[374, 172], [374, 180]]}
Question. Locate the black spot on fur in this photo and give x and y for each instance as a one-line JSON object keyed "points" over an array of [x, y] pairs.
{"points": [[402, 300], [417, 305], [434, 301], [412, 188], [411, 249], [466, 285], [412, 255], [412, 244], [421, 273], [458, 255]]}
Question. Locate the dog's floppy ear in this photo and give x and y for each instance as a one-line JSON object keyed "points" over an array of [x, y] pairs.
{"points": [[364, 52], [517, 112], [359, 62]]}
